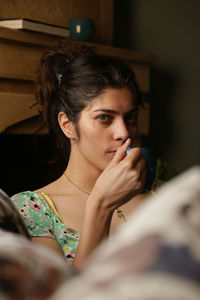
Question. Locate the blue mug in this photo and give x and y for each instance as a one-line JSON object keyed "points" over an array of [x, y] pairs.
{"points": [[81, 29], [150, 166]]}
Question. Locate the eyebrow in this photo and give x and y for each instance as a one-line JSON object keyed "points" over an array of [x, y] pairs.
{"points": [[114, 111]]}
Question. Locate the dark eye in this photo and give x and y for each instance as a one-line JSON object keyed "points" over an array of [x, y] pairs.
{"points": [[131, 119]]}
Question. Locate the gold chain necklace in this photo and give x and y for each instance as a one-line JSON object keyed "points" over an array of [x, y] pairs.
{"points": [[76, 185], [119, 212]]}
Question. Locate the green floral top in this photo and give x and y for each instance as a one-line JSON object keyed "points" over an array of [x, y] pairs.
{"points": [[42, 219]]}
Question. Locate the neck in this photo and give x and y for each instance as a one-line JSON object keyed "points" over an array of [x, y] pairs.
{"points": [[81, 172]]}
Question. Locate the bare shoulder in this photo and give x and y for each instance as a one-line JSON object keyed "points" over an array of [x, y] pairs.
{"points": [[127, 210], [57, 187], [130, 206]]}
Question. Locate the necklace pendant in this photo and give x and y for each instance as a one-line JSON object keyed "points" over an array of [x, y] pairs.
{"points": [[120, 214]]}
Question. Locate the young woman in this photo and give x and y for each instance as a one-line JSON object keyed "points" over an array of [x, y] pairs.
{"points": [[90, 103]]}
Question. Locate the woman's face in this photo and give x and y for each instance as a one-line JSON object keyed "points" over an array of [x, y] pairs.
{"points": [[105, 124]]}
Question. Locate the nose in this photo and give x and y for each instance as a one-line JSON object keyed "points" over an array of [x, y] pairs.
{"points": [[120, 131]]}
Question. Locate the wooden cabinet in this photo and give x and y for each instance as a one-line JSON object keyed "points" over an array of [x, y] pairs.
{"points": [[20, 53]]}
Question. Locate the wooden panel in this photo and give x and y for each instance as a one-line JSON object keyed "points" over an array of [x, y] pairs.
{"points": [[27, 37], [130, 55], [142, 74], [28, 126], [17, 86], [14, 108], [18, 61]]}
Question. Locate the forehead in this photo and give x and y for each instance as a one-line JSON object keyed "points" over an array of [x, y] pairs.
{"points": [[115, 99]]}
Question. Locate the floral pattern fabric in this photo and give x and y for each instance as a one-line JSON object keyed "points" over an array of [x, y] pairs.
{"points": [[41, 221]]}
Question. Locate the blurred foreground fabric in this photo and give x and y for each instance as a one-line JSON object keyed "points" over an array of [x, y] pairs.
{"points": [[155, 255], [28, 271]]}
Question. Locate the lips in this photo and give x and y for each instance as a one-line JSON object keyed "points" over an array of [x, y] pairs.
{"points": [[112, 152]]}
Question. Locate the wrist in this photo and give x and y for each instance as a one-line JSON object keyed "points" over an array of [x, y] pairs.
{"points": [[97, 206]]}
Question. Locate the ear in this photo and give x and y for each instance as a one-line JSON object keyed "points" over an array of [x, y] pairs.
{"points": [[66, 125]]}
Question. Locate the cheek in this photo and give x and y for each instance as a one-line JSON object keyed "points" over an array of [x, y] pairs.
{"points": [[94, 135], [93, 145], [93, 141]]}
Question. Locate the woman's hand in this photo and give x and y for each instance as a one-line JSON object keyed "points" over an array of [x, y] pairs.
{"points": [[122, 179]]}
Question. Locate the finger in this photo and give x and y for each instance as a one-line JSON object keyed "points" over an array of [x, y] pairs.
{"points": [[134, 155], [140, 170], [141, 166], [121, 152]]}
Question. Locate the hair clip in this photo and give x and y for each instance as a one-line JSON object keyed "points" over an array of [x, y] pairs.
{"points": [[59, 77]]}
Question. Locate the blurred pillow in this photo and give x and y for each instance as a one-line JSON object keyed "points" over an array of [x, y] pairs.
{"points": [[154, 256], [28, 271]]}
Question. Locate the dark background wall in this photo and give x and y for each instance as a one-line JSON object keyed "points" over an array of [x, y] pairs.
{"points": [[170, 30], [26, 162]]}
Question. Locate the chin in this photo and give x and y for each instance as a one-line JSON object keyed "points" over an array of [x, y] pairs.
{"points": [[100, 163], [101, 167]]}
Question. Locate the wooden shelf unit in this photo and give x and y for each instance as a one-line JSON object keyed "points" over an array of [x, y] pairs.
{"points": [[20, 52]]}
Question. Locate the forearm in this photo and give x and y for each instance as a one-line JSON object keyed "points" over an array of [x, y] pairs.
{"points": [[96, 227]]}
